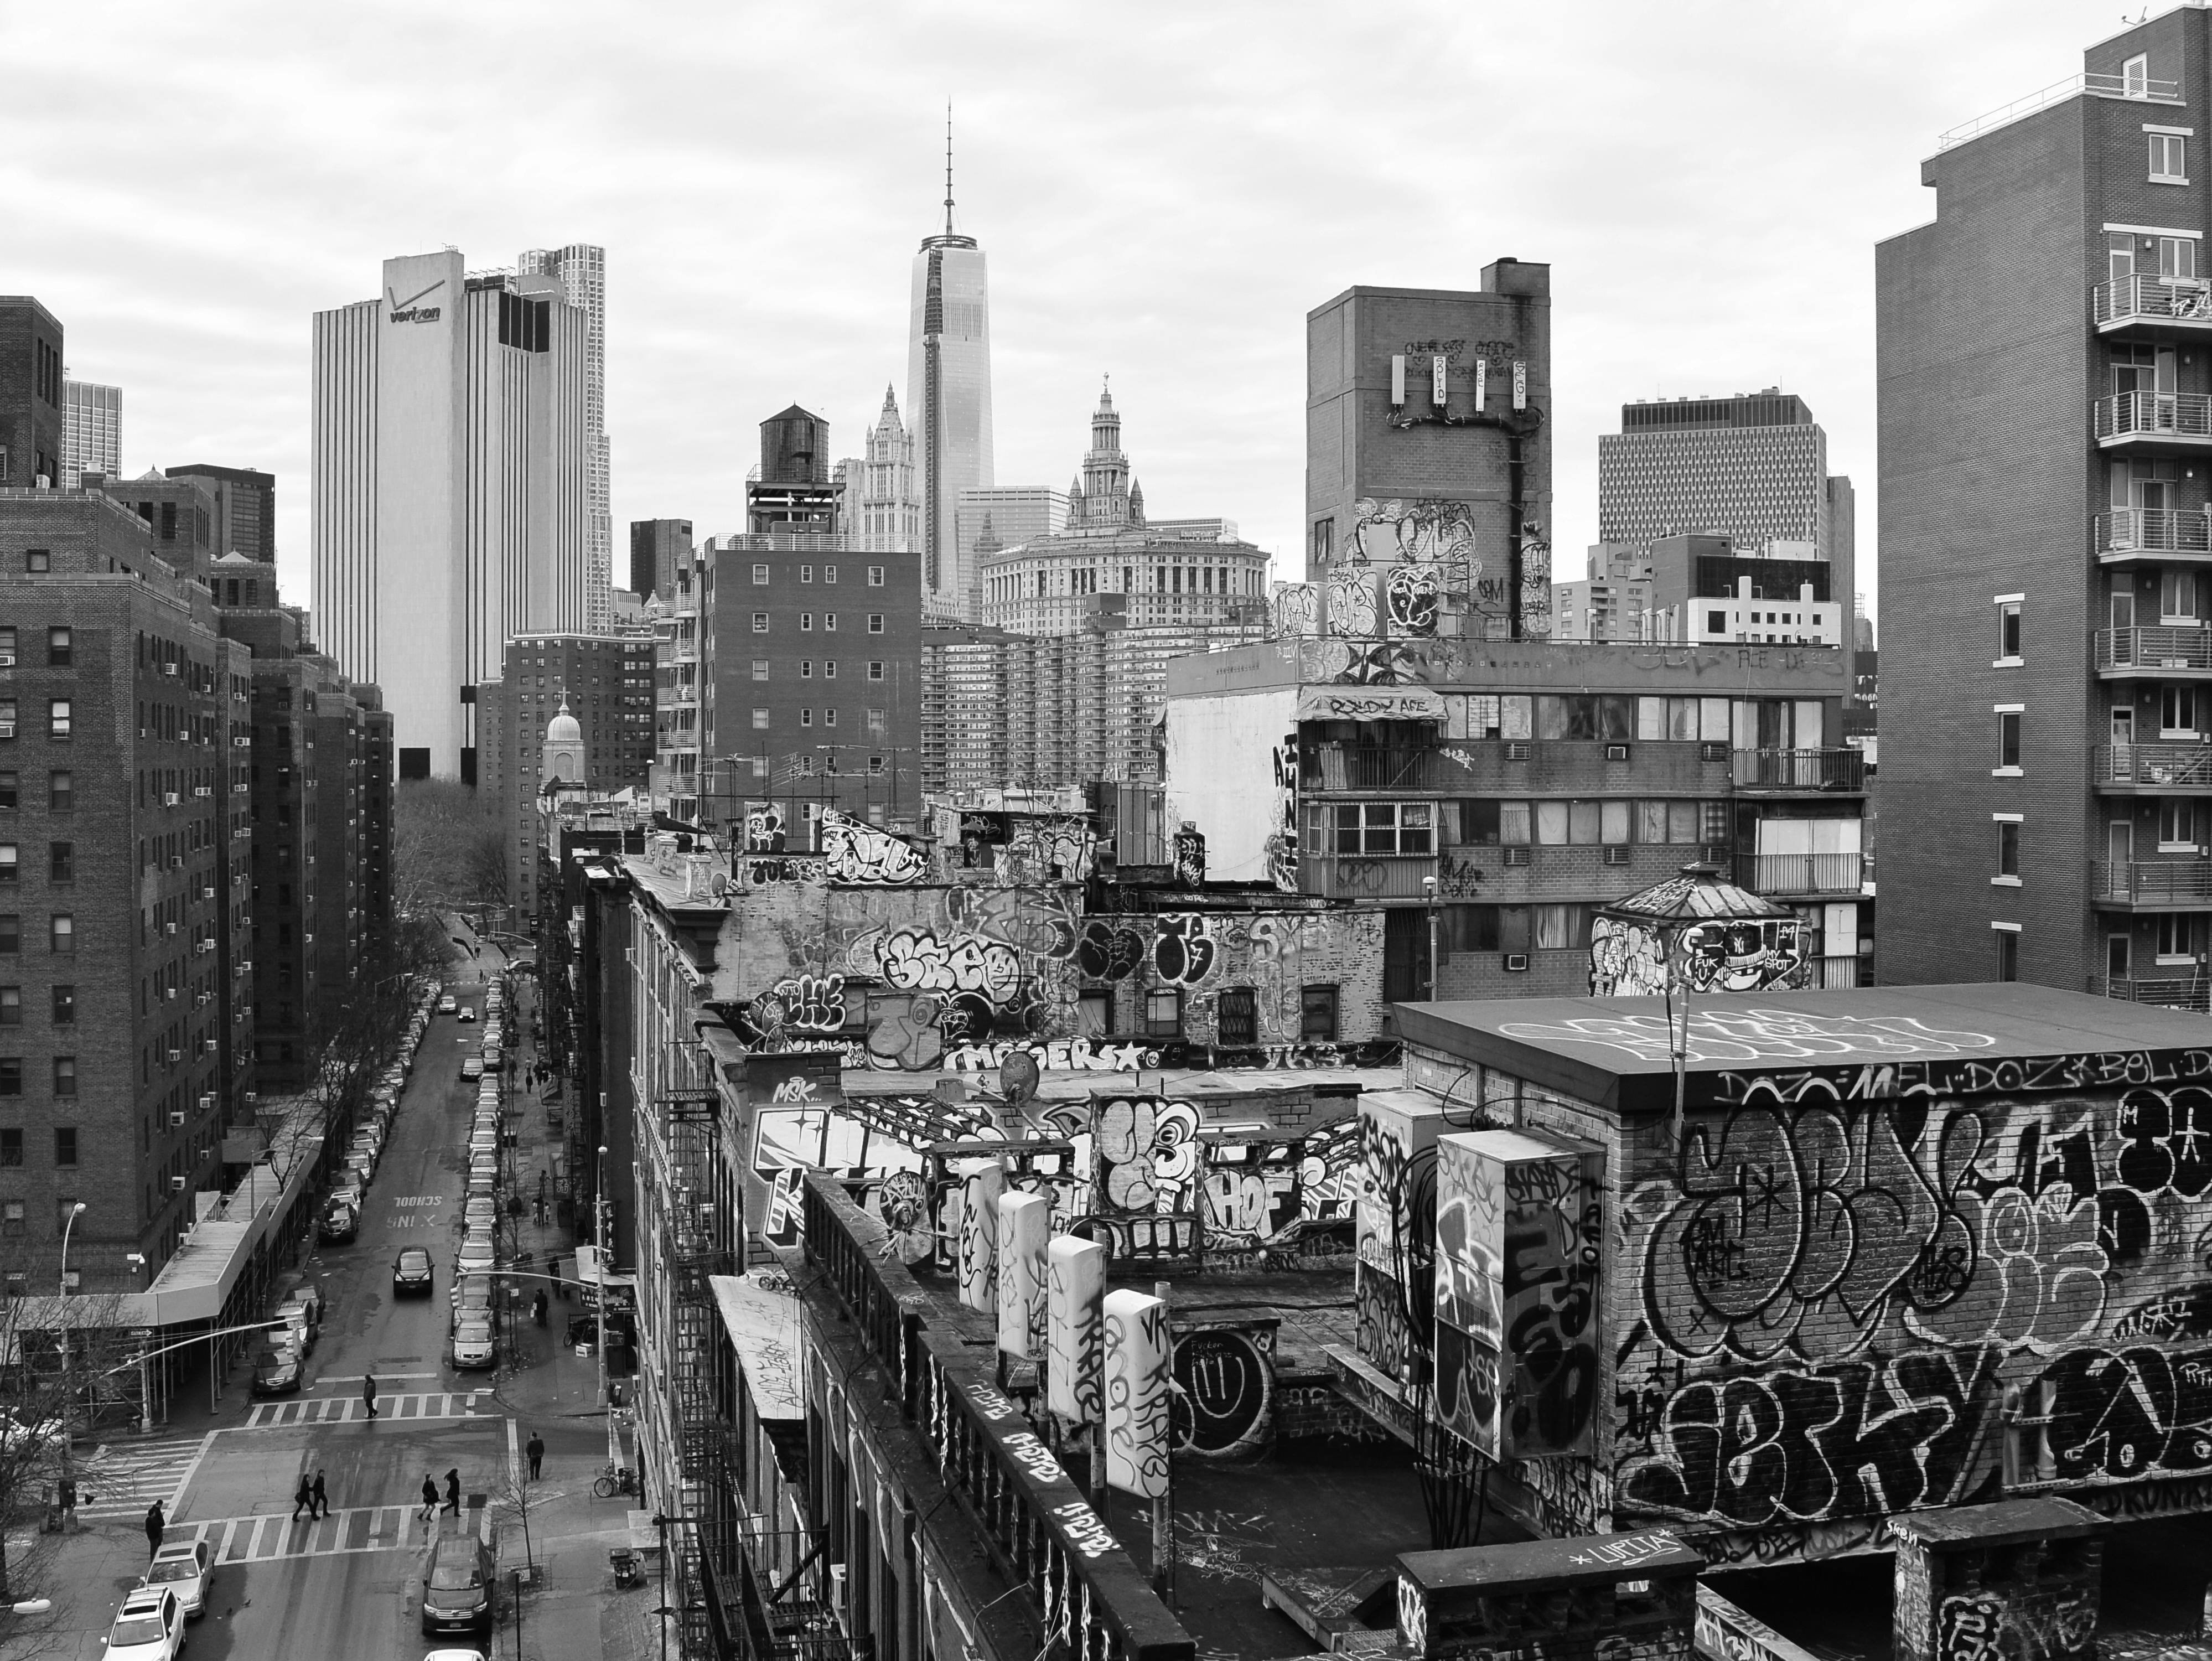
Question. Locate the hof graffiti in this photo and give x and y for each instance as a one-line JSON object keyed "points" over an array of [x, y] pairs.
{"points": [[1856, 1439]]}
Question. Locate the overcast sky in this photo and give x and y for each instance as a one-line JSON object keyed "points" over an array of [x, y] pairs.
{"points": [[1163, 190]]}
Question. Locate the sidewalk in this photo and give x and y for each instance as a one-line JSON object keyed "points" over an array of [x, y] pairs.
{"points": [[574, 1613]]}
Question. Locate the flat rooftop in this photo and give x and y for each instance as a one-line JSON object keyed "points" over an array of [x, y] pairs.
{"points": [[1880, 1042]]}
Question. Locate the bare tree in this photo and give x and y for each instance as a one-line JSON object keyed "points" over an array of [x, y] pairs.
{"points": [[449, 847]]}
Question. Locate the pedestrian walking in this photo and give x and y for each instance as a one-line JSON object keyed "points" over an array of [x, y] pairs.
{"points": [[536, 1452], [156, 1527], [304, 1499], [322, 1505], [454, 1491], [369, 1392], [429, 1496], [538, 1304]]}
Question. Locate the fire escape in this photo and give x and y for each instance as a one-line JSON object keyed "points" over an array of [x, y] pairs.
{"points": [[696, 1228]]}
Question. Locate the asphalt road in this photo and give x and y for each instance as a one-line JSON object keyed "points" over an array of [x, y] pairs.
{"points": [[350, 1587]]}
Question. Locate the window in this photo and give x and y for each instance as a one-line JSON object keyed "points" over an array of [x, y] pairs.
{"points": [[2008, 741], [1717, 623], [875, 623], [1164, 1013], [760, 622], [11, 1076], [1317, 1014], [2176, 711], [65, 1006], [65, 1148], [7, 718], [64, 1075], [806, 573], [875, 763], [61, 862], [11, 1006], [829, 668], [2120, 255], [829, 717], [2177, 258], [829, 622], [11, 933], [875, 668], [1374, 827], [807, 718], [760, 576], [61, 789], [8, 862], [2179, 938], [61, 932], [2177, 825], [760, 668], [7, 790], [807, 668], [11, 1153], [36, 560], [875, 576], [1237, 1014], [58, 649], [2007, 953], [1562, 927], [829, 574], [760, 720], [759, 766], [2008, 849], [878, 723], [806, 623], [2169, 159], [58, 718], [2135, 75], [2178, 597], [2007, 631]]}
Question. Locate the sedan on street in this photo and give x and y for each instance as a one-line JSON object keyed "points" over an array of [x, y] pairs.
{"points": [[412, 1274], [447, 1004], [278, 1371], [464, 1013], [182, 1566]]}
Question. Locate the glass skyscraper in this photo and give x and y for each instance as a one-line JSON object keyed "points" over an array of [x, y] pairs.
{"points": [[948, 399]]}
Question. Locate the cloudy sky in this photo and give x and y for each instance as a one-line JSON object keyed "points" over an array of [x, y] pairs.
{"points": [[1163, 188]]}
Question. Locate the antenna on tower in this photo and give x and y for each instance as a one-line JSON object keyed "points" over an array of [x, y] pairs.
{"points": [[948, 167]]}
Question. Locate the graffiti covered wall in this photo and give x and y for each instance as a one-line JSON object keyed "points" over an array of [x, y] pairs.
{"points": [[1827, 1311]]}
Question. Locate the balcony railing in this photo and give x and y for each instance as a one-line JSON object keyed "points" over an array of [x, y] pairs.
{"points": [[2099, 86], [1033, 1517], [2154, 530], [2183, 417], [2151, 882], [2164, 647], [1367, 876], [1800, 770], [2182, 992], [1800, 873], [2145, 299], [1361, 767], [2181, 766]]}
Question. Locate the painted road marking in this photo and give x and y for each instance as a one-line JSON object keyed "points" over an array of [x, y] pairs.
{"points": [[350, 1410], [271, 1537], [122, 1479]]}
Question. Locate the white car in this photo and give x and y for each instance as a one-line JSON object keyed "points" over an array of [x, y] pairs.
{"points": [[454, 1655], [149, 1627], [472, 1344], [16, 1437], [477, 1255], [447, 1004], [183, 1566]]}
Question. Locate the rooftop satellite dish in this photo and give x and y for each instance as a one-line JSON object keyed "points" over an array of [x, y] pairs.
{"points": [[1018, 1080]]}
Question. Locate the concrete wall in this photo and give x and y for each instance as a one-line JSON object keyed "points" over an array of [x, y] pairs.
{"points": [[1225, 775]]}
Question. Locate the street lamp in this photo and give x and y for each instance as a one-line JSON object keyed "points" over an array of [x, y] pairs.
{"points": [[69, 1392], [137, 1261]]}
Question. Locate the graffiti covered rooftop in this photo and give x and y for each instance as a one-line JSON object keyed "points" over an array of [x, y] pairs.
{"points": [[1875, 1043]]}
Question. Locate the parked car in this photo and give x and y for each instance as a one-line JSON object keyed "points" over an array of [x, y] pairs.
{"points": [[477, 1255], [18, 1438], [412, 1275], [473, 1345], [340, 1224], [470, 1292], [457, 1585], [279, 1370], [447, 1004], [472, 1068], [301, 1324], [494, 1060], [149, 1627], [182, 1566], [349, 1189]]}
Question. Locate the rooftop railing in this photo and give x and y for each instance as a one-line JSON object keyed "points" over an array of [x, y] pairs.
{"points": [[2099, 86]]}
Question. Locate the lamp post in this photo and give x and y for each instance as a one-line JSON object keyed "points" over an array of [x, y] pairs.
{"points": [[69, 1391], [1429, 891], [137, 1261]]}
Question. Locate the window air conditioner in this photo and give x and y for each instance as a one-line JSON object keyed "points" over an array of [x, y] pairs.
{"points": [[207, 1101], [203, 999], [1519, 856], [1713, 751], [177, 863], [169, 669], [168, 799], [207, 894], [168, 928], [176, 1120], [175, 1055], [251, 1097], [1616, 752], [7, 659], [203, 790], [1518, 749], [1616, 855], [208, 1046], [1516, 963], [176, 1184]]}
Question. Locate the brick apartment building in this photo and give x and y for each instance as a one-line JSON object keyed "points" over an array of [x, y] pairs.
{"points": [[31, 413], [127, 1031], [2045, 426]]}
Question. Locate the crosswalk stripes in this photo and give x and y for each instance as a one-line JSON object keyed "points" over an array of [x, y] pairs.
{"points": [[348, 1409], [122, 1479], [270, 1536]]}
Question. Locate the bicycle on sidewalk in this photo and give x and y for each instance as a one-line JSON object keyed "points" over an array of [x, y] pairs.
{"points": [[614, 1480]]}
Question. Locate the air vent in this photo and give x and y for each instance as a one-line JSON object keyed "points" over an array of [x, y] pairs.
{"points": [[1516, 963], [1713, 751], [1616, 752], [1519, 856], [1616, 855], [1518, 748]]}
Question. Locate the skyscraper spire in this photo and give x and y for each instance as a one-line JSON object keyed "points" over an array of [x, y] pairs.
{"points": [[948, 167]]}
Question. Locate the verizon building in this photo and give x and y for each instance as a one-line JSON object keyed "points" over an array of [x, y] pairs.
{"points": [[451, 489]]}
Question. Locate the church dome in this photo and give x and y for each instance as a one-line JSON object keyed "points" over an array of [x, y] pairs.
{"points": [[563, 728]]}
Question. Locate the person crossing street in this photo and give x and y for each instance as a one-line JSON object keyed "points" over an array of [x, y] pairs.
{"points": [[429, 1496], [321, 1497], [369, 1392], [304, 1498]]}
